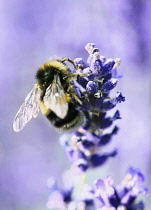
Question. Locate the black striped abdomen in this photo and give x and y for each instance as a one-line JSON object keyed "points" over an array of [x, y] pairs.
{"points": [[73, 119]]}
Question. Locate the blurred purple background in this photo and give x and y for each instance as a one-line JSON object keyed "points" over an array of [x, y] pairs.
{"points": [[31, 33]]}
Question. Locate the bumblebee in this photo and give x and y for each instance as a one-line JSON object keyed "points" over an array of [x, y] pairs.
{"points": [[54, 95]]}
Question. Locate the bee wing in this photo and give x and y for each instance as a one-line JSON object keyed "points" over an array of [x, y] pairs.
{"points": [[29, 109], [56, 99]]}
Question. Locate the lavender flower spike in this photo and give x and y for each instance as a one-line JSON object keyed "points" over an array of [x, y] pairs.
{"points": [[83, 147], [102, 196], [121, 197]]}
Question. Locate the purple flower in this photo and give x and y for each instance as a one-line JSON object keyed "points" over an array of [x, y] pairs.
{"points": [[89, 70], [98, 160], [109, 85], [91, 87], [82, 147], [122, 196], [80, 63], [104, 195], [107, 67], [111, 103], [106, 138], [119, 98]]}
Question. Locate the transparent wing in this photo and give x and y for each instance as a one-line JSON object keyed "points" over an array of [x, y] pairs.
{"points": [[29, 109], [56, 99]]}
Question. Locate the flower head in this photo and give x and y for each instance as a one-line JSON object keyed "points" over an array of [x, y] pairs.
{"points": [[122, 196], [83, 147], [103, 195]]}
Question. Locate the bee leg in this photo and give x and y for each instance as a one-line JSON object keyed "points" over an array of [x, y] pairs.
{"points": [[75, 75], [87, 75], [76, 67], [99, 80], [73, 94], [69, 60], [76, 98]]}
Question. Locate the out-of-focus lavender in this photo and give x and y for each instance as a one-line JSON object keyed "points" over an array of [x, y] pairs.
{"points": [[33, 31], [103, 195]]}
